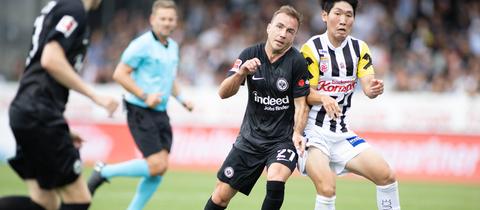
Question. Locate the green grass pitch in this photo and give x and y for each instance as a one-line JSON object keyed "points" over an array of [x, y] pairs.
{"points": [[189, 190]]}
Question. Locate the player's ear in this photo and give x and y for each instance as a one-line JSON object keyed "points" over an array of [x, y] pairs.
{"points": [[324, 16], [268, 27]]}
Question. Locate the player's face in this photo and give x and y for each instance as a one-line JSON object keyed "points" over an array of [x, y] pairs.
{"points": [[281, 32], [339, 21], [163, 21]]}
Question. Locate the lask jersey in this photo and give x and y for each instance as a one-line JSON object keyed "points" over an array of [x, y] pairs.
{"points": [[335, 72]]}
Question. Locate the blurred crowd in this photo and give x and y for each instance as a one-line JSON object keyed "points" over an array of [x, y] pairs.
{"points": [[416, 45]]}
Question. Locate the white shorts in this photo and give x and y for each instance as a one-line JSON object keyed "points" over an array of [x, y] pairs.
{"points": [[339, 147]]}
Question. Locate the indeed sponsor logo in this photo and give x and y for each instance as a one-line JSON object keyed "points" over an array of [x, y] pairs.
{"points": [[336, 86], [270, 101]]}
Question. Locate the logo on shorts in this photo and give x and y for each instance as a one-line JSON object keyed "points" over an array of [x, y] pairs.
{"points": [[355, 140], [77, 166], [228, 171]]}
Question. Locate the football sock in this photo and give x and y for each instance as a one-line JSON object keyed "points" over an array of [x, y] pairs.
{"points": [[387, 197], [274, 197], [325, 203], [76, 206], [213, 206], [132, 168], [146, 188], [18, 202]]}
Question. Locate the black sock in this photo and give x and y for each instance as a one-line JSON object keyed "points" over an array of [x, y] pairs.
{"points": [[18, 202], [212, 206], [274, 197], [74, 206]]}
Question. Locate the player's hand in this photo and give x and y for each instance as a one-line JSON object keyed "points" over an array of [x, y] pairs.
{"points": [[376, 88], [299, 142], [107, 102], [76, 139], [250, 66], [188, 105], [153, 99], [331, 107]]}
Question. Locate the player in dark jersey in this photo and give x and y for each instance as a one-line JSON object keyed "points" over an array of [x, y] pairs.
{"points": [[46, 157], [276, 75]]}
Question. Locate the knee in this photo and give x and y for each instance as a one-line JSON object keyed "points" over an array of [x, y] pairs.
{"points": [[326, 189], [220, 198], [157, 168], [386, 178]]}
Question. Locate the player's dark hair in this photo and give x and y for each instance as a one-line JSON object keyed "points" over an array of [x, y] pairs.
{"points": [[327, 5], [290, 11], [163, 4]]}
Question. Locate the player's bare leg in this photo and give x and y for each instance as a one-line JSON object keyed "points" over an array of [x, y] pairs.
{"points": [[48, 199], [372, 166], [221, 196], [318, 169], [75, 195]]}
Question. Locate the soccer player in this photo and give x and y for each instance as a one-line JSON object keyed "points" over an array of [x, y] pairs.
{"points": [[46, 158], [147, 71], [276, 75], [336, 61]]}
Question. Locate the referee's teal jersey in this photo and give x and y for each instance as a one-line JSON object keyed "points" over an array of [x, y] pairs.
{"points": [[154, 67]]}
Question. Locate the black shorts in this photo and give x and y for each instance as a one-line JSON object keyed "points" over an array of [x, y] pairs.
{"points": [[241, 170], [150, 129], [45, 151]]}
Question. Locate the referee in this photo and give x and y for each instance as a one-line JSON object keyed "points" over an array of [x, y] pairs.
{"points": [[46, 158]]}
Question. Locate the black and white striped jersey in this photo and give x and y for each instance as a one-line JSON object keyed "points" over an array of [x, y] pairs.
{"points": [[335, 72]]}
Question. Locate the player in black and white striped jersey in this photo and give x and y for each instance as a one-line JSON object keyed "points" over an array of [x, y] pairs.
{"points": [[337, 61]]}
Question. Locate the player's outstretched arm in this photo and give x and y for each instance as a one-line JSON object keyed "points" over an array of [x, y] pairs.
{"points": [[230, 85], [55, 62], [371, 87]]}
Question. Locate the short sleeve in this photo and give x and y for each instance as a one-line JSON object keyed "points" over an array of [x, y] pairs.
{"points": [[365, 66], [132, 56], [301, 77], [312, 64], [67, 24]]}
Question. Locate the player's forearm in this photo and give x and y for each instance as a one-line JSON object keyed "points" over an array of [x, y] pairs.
{"points": [[301, 114], [315, 98], [230, 85], [122, 76], [56, 64]]}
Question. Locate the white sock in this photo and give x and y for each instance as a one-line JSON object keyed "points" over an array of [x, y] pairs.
{"points": [[325, 203], [387, 197]]}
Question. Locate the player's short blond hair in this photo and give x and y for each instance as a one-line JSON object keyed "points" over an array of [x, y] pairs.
{"points": [[290, 11], [163, 4]]}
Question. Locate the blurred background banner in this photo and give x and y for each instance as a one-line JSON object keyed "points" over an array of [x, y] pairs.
{"points": [[422, 136], [427, 124]]}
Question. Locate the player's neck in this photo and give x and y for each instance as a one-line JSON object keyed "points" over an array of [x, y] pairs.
{"points": [[87, 4], [274, 55], [334, 42]]}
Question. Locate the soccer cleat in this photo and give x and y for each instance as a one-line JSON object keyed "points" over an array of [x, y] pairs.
{"points": [[96, 178]]}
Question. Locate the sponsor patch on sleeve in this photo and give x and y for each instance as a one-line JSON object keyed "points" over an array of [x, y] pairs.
{"points": [[66, 25]]}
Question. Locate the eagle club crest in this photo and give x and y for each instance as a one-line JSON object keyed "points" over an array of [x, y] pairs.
{"points": [[282, 84]]}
